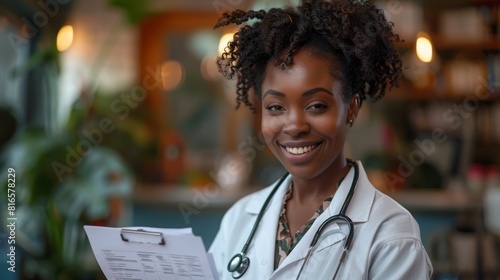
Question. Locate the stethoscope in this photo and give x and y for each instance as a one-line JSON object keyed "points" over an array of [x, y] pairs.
{"points": [[239, 263]]}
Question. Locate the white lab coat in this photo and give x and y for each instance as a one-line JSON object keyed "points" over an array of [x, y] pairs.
{"points": [[386, 242]]}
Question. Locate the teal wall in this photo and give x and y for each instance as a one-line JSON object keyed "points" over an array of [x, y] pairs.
{"points": [[204, 224]]}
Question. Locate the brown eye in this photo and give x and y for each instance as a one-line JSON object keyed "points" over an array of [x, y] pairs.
{"points": [[318, 107], [275, 108]]}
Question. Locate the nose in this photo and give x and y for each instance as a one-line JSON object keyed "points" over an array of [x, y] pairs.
{"points": [[296, 124]]}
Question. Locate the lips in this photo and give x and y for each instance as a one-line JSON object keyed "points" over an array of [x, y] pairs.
{"points": [[300, 150]]}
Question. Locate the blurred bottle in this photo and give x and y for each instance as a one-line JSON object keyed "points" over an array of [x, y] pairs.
{"points": [[173, 149], [475, 178], [492, 200]]}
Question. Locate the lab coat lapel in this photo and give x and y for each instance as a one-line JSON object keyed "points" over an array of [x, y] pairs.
{"points": [[265, 236], [358, 211], [362, 200]]}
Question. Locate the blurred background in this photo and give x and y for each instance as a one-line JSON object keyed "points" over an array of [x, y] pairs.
{"points": [[112, 113]]}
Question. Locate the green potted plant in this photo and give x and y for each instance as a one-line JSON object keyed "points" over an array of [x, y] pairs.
{"points": [[51, 206], [64, 180]]}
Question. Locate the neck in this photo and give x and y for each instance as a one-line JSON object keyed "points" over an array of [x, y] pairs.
{"points": [[322, 186]]}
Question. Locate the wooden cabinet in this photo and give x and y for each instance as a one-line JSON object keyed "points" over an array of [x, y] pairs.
{"points": [[457, 95], [459, 90]]}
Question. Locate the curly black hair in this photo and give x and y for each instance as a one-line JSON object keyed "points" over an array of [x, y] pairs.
{"points": [[355, 33]]}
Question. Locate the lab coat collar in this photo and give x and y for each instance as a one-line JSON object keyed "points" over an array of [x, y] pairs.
{"points": [[255, 205], [358, 210], [362, 200]]}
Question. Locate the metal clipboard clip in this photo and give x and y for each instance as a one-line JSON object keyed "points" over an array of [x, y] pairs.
{"points": [[142, 236]]}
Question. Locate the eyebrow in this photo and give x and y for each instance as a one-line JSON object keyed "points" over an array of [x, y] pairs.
{"points": [[314, 90], [307, 93]]}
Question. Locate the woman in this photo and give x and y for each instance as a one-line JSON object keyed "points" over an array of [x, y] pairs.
{"points": [[310, 68]]}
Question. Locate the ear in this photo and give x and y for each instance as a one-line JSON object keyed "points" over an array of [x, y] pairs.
{"points": [[353, 109]]}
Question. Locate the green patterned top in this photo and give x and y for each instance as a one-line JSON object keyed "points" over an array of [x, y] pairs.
{"points": [[285, 242]]}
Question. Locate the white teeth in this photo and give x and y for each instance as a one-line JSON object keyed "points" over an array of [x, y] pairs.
{"points": [[300, 150]]}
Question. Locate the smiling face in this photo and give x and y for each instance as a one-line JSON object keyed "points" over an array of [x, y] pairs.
{"points": [[304, 117]]}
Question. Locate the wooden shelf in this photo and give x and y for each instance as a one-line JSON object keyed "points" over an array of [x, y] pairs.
{"points": [[176, 196], [163, 196], [411, 93], [407, 91], [441, 43], [436, 200]]}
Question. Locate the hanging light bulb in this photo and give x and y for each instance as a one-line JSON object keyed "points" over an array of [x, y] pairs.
{"points": [[424, 47], [224, 40], [64, 38]]}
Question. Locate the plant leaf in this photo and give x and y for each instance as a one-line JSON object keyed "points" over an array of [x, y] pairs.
{"points": [[135, 11]]}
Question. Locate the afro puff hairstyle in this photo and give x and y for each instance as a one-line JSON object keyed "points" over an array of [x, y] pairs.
{"points": [[353, 32]]}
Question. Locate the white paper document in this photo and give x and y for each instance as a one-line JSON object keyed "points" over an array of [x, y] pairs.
{"points": [[150, 253]]}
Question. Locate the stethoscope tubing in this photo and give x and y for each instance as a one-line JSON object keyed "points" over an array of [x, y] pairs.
{"points": [[261, 213], [340, 216], [239, 263]]}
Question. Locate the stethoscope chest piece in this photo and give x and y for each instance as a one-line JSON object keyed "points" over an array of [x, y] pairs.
{"points": [[238, 265]]}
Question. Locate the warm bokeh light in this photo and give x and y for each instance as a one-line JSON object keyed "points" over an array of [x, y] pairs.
{"points": [[224, 40], [424, 48], [172, 74], [65, 38], [208, 68]]}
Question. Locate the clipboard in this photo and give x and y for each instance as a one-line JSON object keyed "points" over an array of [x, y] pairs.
{"points": [[150, 253], [142, 236]]}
